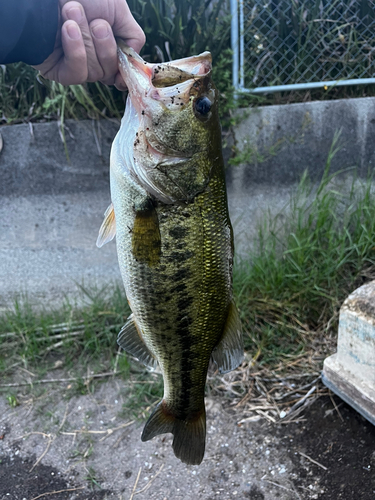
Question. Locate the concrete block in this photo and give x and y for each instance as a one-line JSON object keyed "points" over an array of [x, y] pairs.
{"points": [[34, 161], [350, 373], [281, 142]]}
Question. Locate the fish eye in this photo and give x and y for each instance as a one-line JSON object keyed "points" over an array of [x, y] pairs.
{"points": [[203, 105]]}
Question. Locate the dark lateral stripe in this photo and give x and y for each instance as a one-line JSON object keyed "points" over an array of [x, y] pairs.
{"points": [[178, 232]]}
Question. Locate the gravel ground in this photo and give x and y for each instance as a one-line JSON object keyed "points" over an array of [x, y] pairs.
{"points": [[87, 447]]}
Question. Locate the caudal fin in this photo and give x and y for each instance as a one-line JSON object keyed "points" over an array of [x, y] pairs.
{"points": [[189, 439]]}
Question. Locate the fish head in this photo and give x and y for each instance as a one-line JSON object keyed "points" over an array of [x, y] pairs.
{"points": [[170, 124]]}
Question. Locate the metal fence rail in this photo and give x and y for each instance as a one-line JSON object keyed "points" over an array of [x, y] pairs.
{"points": [[294, 44]]}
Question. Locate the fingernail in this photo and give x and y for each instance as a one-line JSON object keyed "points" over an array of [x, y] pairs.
{"points": [[100, 31], [73, 31], [75, 14]]}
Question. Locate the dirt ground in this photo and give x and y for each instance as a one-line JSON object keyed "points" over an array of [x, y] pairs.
{"points": [[86, 448]]}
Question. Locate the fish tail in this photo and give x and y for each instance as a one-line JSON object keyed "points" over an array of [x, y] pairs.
{"points": [[189, 435], [189, 440]]}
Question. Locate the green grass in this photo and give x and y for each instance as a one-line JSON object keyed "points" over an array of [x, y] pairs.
{"points": [[79, 336], [143, 391], [25, 96], [289, 290]]}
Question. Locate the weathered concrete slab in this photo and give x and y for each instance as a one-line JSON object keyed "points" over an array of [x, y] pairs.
{"points": [[351, 372], [47, 248], [34, 160], [281, 142]]}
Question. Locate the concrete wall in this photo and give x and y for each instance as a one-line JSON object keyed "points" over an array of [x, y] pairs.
{"points": [[51, 208], [282, 141], [34, 160]]}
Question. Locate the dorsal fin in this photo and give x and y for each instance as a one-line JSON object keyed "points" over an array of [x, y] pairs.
{"points": [[107, 230]]}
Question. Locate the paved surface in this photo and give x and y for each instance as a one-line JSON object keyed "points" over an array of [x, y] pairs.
{"points": [[49, 247]]}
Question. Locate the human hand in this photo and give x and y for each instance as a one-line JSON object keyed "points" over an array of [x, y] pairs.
{"points": [[85, 49]]}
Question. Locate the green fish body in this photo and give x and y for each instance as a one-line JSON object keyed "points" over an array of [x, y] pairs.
{"points": [[174, 239]]}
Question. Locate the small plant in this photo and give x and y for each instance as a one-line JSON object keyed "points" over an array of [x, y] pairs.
{"points": [[146, 389], [92, 478], [84, 453], [12, 400]]}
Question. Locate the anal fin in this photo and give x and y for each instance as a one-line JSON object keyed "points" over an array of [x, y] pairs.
{"points": [[107, 230], [130, 339], [229, 352]]}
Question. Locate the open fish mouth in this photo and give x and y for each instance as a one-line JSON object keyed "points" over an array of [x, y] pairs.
{"points": [[169, 83], [164, 101]]}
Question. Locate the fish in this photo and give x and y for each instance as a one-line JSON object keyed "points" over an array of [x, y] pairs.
{"points": [[174, 238]]}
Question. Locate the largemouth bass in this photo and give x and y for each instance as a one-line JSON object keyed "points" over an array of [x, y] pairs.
{"points": [[174, 239]]}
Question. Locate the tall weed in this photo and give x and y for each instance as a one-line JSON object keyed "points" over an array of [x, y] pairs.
{"points": [[176, 29], [292, 285]]}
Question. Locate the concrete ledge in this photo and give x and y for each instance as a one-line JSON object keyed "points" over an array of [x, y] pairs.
{"points": [[34, 161], [355, 392], [281, 142], [351, 372]]}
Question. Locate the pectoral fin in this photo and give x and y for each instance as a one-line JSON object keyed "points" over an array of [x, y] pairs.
{"points": [[130, 339], [228, 354], [146, 240], [107, 230]]}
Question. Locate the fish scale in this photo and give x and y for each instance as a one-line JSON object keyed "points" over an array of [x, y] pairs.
{"points": [[158, 294], [174, 240]]}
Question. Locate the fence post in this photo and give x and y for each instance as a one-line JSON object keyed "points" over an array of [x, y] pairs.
{"points": [[242, 47], [234, 42]]}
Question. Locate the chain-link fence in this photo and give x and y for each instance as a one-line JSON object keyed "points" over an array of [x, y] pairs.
{"points": [[296, 42]]}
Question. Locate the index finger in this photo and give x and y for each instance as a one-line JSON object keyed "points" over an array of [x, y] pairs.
{"points": [[127, 28]]}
